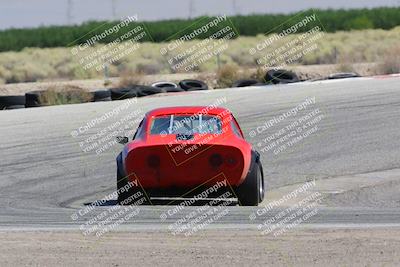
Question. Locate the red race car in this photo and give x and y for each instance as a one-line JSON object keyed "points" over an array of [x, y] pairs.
{"points": [[178, 149]]}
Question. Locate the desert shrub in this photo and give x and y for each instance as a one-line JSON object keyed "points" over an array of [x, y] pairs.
{"points": [[129, 78], [258, 74], [391, 61], [148, 68], [65, 94], [5, 74], [345, 62], [226, 75], [29, 71]]}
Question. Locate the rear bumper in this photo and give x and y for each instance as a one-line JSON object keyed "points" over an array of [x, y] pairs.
{"points": [[185, 171]]}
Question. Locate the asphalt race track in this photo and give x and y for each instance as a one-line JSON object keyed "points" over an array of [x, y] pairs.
{"points": [[45, 176]]}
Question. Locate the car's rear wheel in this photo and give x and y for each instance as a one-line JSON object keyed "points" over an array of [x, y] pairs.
{"points": [[262, 185], [125, 193], [251, 191]]}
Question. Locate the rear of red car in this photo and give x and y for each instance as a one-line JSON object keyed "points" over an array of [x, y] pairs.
{"points": [[178, 151], [187, 149], [185, 164]]}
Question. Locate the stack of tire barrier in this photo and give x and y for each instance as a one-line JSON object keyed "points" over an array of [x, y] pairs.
{"points": [[33, 99], [279, 76], [101, 96], [246, 82], [167, 87], [133, 91], [12, 102], [156, 88], [193, 85]]}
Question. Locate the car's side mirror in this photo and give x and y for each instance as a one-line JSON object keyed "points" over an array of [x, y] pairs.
{"points": [[122, 139]]}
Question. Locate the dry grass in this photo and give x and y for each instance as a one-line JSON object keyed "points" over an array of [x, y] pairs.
{"points": [[230, 73], [207, 77], [259, 74], [391, 61], [345, 67], [130, 78], [226, 75], [35, 64], [66, 94]]}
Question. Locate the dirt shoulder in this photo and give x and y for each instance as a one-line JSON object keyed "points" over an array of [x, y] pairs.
{"points": [[301, 247]]}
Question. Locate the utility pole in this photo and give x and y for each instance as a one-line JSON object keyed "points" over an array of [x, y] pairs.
{"points": [[235, 8], [191, 9], [114, 9]]}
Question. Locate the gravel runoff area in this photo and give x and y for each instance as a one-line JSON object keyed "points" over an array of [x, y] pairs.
{"points": [[302, 247]]}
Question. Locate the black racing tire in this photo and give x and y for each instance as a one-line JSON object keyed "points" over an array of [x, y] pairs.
{"points": [[262, 188], [33, 99], [193, 85], [343, 75], [15, 107], [164, 85], [251, 192], [172, 90], [133, 91], [245, 83], [126, 197], [281, 77], [12, 100], [123, 93], [101, 95], [122, 181], [148, 90]]}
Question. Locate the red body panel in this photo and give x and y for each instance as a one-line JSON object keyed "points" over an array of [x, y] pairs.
{"points": [[162, 161]]}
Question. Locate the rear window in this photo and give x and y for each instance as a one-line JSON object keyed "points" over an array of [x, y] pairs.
{"points": [[186, 124]]}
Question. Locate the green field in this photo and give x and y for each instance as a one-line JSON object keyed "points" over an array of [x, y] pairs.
{"points": [[332, 21]]}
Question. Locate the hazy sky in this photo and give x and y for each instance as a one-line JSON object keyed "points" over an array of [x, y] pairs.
{"points": [[33, 13]]}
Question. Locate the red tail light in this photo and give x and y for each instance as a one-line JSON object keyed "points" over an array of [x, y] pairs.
{"points": [[216, 160]]}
